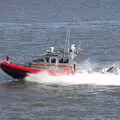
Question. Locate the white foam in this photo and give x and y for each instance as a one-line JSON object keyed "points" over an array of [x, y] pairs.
{"points": [[93, 78]]}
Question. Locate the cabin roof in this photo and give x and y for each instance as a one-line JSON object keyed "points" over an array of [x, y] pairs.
{"points": [[57, 53]]}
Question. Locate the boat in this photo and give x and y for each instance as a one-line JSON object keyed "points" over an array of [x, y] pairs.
{"points": [[53, 62]]}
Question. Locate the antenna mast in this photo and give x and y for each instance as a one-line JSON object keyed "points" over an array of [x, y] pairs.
{"points": [[67, 40]]}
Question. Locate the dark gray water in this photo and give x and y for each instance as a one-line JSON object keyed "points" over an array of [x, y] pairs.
{"points": [[29, 27], [33, 102]]}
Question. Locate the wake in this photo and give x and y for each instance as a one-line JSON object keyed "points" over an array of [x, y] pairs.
{"points": [[93, 78], [91, 74]]}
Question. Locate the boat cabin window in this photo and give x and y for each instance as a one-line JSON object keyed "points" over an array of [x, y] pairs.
{"points": [[63, 60], [66, 60], [39, 60], [47, 59], [53, 60]]}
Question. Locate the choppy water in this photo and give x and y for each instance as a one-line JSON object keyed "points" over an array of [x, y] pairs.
{"points": [[29, 27]]}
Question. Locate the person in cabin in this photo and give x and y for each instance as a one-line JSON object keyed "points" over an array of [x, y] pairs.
{"points": [[72, 51], [7, 58]]}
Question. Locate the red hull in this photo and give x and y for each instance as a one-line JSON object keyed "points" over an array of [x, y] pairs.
{"points": [[19, 71]]}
